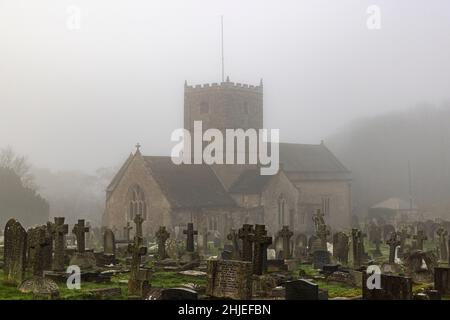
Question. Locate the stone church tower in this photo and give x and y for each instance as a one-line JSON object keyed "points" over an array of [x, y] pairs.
{"points": [[222, 106]]}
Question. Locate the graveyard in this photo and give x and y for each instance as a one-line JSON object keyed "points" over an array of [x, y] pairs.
{"points": [[79, 262]]}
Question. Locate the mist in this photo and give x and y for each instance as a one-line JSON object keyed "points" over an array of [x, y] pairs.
{"points": [[81, 99]]}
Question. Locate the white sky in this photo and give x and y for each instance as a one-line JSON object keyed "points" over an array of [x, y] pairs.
{"points": [[81, 99]]}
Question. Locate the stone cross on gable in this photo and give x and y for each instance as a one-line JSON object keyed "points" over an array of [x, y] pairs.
{"points": [[59, 230], [393, 242], [126, 231], [260, 243], [162, 235], [80, 230], [138, 220], [420, 237], [244, 234], [190, 232], [286, 235]]}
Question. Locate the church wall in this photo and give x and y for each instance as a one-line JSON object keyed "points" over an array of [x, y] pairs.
{"points": [[117, 205], [278, 186], [312, 195]]}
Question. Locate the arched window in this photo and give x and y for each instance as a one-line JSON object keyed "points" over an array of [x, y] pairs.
{"points": [[136, 203], [281, 210]]}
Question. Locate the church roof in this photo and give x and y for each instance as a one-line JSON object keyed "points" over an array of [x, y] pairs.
{"points": [[250, 182], [309, 158], [395, 204], [188, 186]]}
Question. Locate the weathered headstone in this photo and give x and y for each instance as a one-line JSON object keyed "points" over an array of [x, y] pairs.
{"points": [[162, 235], [301, 246], [138, 283], [126, 231], [245, 234], [375, 238], [392, 288], [393, 242], [38, 243], [229, 279], [286, 235], [420, 237], [322, 231], [443, 249], [356, 248], [85, 260], [403, 236], [260, 243], [79, 230], [442, 280], [341, 247], [387, 230], [178, 294], [59, 230], [190, 233], [320, 258], [301, 290], [15, 246], [109, 242], [233, 237]]}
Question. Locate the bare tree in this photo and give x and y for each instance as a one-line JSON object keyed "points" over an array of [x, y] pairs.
{"points": [[20, 165]]}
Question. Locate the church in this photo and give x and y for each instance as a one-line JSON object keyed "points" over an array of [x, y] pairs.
{"points": [[221, 197]]}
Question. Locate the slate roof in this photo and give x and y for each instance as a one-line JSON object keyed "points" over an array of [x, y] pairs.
{"points": [[250, 182], [309, 158], [188, 186]]}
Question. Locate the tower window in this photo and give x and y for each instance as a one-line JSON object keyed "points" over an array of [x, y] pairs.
{"points": [[204, 107]]}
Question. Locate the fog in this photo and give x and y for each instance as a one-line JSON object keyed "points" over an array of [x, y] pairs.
{"points": [[80, 99]]}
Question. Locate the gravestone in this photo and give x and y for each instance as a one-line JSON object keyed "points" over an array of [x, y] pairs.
{"points": [[341, 247], [162, 235], [375, 238], [419, 237], [190, 233], [322, 231], [178, 294], [260, 243], [138, 283], [387, 230], [392, 288], [109, 242], [245, 234], [85, 260], [38, 244], [235, 251], [59, 231], [15, 246], [442, 280], [320, 258], [357, 239], [286, 235], [229, 279], [403, 236], [204, 236], [301, 247], [393, 242], [443, 249], [301, 290], [138, 221]]}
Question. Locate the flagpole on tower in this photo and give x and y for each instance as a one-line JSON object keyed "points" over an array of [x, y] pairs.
{"points": [[223, 58]]}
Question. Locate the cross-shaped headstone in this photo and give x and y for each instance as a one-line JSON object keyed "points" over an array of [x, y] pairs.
{"points": [[404, 235], [244, 234], [393, 242], [190, 232], [233, 236], [138, 220], [286, 235], [126, 231], [420, 237], [162, 235], [260, 243], [59, 230], [137, 251], [79, 230], [39, 241]]}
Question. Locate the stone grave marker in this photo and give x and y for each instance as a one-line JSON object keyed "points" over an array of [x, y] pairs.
{"points": [[229, 279], [138, 220], [138, 283], [109, 242], [419, 239], [341, 247], [320, 258], [301, 290], [59, 231], [233, 237], [245, 234], [442, 280], [286, 235], [162, 235], [392, 288], [190, 233], [260, 243], [15, 246], [178, 294]]}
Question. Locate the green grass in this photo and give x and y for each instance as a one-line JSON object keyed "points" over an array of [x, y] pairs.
{"points": [[165, 279]]}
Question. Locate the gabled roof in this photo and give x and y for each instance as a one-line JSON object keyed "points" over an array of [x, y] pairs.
{"points": [[395, 204], [309, 158], [119, 174], [250, 182], [188, 185]]}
